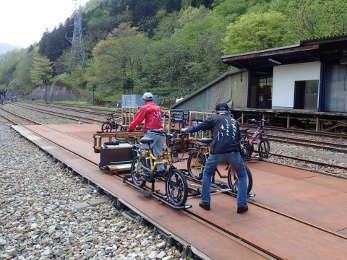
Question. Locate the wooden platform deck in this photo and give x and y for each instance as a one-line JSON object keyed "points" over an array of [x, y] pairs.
{"points": [[295, 215]]}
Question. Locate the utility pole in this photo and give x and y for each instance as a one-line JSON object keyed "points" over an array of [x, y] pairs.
{"points": [[45, 83], [77, 55], [93, 89]]}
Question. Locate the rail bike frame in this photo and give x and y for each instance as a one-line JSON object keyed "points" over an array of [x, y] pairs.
{"points": [[166, 159]]}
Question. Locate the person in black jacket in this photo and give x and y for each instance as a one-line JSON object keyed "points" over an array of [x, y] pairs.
{"points": [[225, 147], [2, 97]]}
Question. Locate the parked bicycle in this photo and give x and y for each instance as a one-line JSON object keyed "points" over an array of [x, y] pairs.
{"points": [[258, 138], [113, 123], [145, 169], [198, 156]]}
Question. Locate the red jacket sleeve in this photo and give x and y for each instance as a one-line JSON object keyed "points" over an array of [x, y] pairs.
{"points": [[138, 118]]}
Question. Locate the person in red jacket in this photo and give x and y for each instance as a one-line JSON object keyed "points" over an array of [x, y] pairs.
{"points": [[151, 114]]}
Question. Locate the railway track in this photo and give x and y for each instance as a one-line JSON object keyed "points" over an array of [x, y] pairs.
{"points": [[62, 115], [336, 147], [17, 119], [221, 227]]}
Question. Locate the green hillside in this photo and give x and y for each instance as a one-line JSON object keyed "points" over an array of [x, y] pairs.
{"points": [[168, 47]]}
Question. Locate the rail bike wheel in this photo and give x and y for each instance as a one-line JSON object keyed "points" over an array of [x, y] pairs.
{"points": [[195, 164], [176, 188], [137, 173], [264, 149], [106, 127], [233, 180]]}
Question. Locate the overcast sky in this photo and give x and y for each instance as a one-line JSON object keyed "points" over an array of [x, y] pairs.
{"points": [[22, 22]]}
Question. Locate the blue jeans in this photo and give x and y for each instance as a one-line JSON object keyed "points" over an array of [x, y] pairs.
{"points": [[235, 160]]}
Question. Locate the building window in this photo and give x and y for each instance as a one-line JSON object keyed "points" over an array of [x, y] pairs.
{"points": [[261, 89]]}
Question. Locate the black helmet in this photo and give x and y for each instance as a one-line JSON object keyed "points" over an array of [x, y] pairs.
{"points": [[222, 108]]}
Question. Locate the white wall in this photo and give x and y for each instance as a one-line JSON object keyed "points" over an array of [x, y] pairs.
{"points": [[284, 77]]}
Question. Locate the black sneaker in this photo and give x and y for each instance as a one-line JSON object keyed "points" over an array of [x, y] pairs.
{"points": [[241, 210], [204, 205]]}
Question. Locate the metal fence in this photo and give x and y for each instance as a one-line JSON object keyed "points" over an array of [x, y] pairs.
{"points": [[134, 100]]}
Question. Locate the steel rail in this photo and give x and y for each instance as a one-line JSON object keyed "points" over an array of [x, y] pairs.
{"points": [[308, 141], [309, 161], [308, 132], [313, 144], [301, 131]]}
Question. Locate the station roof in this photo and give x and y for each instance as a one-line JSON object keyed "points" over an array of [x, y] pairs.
{"points": [[329, 48], [209, 85]]}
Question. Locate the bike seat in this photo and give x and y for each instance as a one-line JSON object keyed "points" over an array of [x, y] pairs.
{"points": [[146, 140], [206, 140], [243, 130]]}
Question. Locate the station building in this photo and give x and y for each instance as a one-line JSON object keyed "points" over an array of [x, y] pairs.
{"points": [[308, 78]]}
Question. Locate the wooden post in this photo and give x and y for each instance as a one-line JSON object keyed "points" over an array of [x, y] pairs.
{"points": [[288, 121], [317, 124], [95, 140], [242, 118]]}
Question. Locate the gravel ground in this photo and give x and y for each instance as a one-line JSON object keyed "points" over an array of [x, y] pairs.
{"points": [[47, 212]]}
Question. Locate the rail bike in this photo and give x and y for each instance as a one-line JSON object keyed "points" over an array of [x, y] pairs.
{"points": [[149, 169], [197, 159]]}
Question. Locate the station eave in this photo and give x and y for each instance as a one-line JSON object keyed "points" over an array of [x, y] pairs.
{"points": [[272, 57]]}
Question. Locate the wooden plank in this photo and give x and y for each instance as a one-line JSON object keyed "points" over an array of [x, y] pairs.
{"points": [[282, 236]]}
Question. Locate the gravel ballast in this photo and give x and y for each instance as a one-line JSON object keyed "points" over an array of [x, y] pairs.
{"points": [[48, 212]]}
